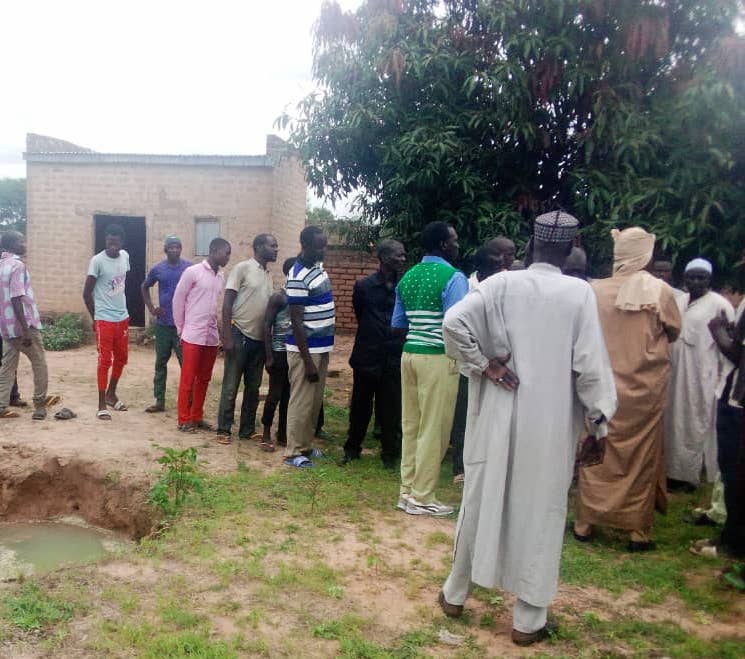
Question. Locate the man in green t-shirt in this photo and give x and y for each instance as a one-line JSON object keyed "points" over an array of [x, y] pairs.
{"points": [[429, 378]]}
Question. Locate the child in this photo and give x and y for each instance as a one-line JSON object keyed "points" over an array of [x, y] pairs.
{"points": [[276, 326]]}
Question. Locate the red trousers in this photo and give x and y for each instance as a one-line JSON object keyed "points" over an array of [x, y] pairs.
{"points": [[196, 372], [112, 342]]}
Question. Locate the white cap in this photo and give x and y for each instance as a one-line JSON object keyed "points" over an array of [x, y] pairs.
{"points": [[700, 264]]}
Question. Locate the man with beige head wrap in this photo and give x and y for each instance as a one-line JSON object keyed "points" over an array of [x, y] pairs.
{"points": [[640, 319]]}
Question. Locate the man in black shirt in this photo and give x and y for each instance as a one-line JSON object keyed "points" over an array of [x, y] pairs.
{"points": [[376, 357]]}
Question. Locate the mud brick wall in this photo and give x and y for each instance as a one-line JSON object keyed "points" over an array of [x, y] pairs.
{"points": [[63, 198], [344, 268]]}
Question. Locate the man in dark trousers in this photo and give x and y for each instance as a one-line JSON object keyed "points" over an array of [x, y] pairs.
{"points": [[376, 357], [487, 262], [730, 338], [166, 274]]}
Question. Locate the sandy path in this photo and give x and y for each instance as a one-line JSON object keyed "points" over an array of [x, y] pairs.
{"points": [[127, 444]]}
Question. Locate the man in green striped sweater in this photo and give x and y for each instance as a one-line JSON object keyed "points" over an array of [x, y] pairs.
{"points": [[429, 378]]}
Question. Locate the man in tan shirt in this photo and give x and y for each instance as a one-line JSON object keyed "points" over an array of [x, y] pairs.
{"points": [[247, 293]]}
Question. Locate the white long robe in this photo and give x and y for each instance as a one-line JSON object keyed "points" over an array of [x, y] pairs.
{"points": [[699, 372], [520, 446]]}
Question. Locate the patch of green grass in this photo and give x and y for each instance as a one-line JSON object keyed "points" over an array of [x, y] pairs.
{"points": [[315, 578], [252, 618], [188, 644], [127, 601], [349, 631], [487, 621], [33, 608], [228, 607], [670, 570], [438, 538], [255, 647], [339, 628], [159, 642], [171, 613], [632, 637]]}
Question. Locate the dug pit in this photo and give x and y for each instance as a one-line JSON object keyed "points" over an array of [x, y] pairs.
{"points": [[52, 488]]}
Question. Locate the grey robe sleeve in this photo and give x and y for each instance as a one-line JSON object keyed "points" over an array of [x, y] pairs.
{"points": [[464, 323], [594, 381]]}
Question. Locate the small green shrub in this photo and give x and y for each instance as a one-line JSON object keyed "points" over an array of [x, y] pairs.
{"points": [[179, 477], [63, 333]]}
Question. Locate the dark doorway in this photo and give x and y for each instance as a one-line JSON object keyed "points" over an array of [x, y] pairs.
{"points": [[134, 244]]}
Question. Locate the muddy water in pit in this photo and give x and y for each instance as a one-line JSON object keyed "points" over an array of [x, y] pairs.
{"points": [[28, 548]]}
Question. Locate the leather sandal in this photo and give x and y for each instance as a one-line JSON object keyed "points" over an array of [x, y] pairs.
{"points": [[524, 639], [582, 538], [450, 610]]}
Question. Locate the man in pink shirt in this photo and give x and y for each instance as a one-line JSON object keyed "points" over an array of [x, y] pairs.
{"points": [[20, 325], [195, 316]]}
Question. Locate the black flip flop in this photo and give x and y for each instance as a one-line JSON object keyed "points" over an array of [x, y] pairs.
{"points": [[65, 414]]}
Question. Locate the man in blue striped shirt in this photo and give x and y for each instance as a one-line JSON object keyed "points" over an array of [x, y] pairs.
{"points": [[309, 343]]}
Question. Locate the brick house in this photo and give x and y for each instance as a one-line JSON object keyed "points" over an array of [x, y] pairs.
{"points": [[74, 193]]}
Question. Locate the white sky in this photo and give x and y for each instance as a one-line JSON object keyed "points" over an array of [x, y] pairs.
{"points": [[152, 76]]}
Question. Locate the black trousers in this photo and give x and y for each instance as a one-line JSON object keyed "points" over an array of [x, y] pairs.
{"points": [[384, 387], [458, 433], [731, 458], [278, 394], [246, 362]]}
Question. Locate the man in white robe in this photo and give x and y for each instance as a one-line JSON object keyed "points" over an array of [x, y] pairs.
{"points": [[542, 327], [699, 373]]}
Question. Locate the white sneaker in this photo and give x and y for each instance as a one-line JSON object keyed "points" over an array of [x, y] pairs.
{"points": [[435, 508], [403, 501]]}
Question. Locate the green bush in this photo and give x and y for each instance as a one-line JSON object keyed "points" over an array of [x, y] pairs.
{"points": [[179, 477], [64, 333]]}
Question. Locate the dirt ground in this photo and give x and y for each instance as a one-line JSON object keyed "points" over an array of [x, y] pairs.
{"points": [[51, 467], [125, 443], [102, 471]]}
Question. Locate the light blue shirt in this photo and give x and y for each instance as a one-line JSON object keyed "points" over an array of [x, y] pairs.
{"points": [[108, 294], [455, 290]]}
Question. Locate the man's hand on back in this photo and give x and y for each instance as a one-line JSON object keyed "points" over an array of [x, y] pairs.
{"points": [[500, 375]]}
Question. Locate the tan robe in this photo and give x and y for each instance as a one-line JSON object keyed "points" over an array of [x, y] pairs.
{"points": [[621, 492]]}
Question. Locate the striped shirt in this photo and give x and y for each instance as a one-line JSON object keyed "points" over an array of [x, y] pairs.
{"points": [[311, 287]]}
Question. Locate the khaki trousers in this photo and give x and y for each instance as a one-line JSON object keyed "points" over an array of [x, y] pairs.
{"points": [[305, 401], [12, 348], [429, 387]]}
